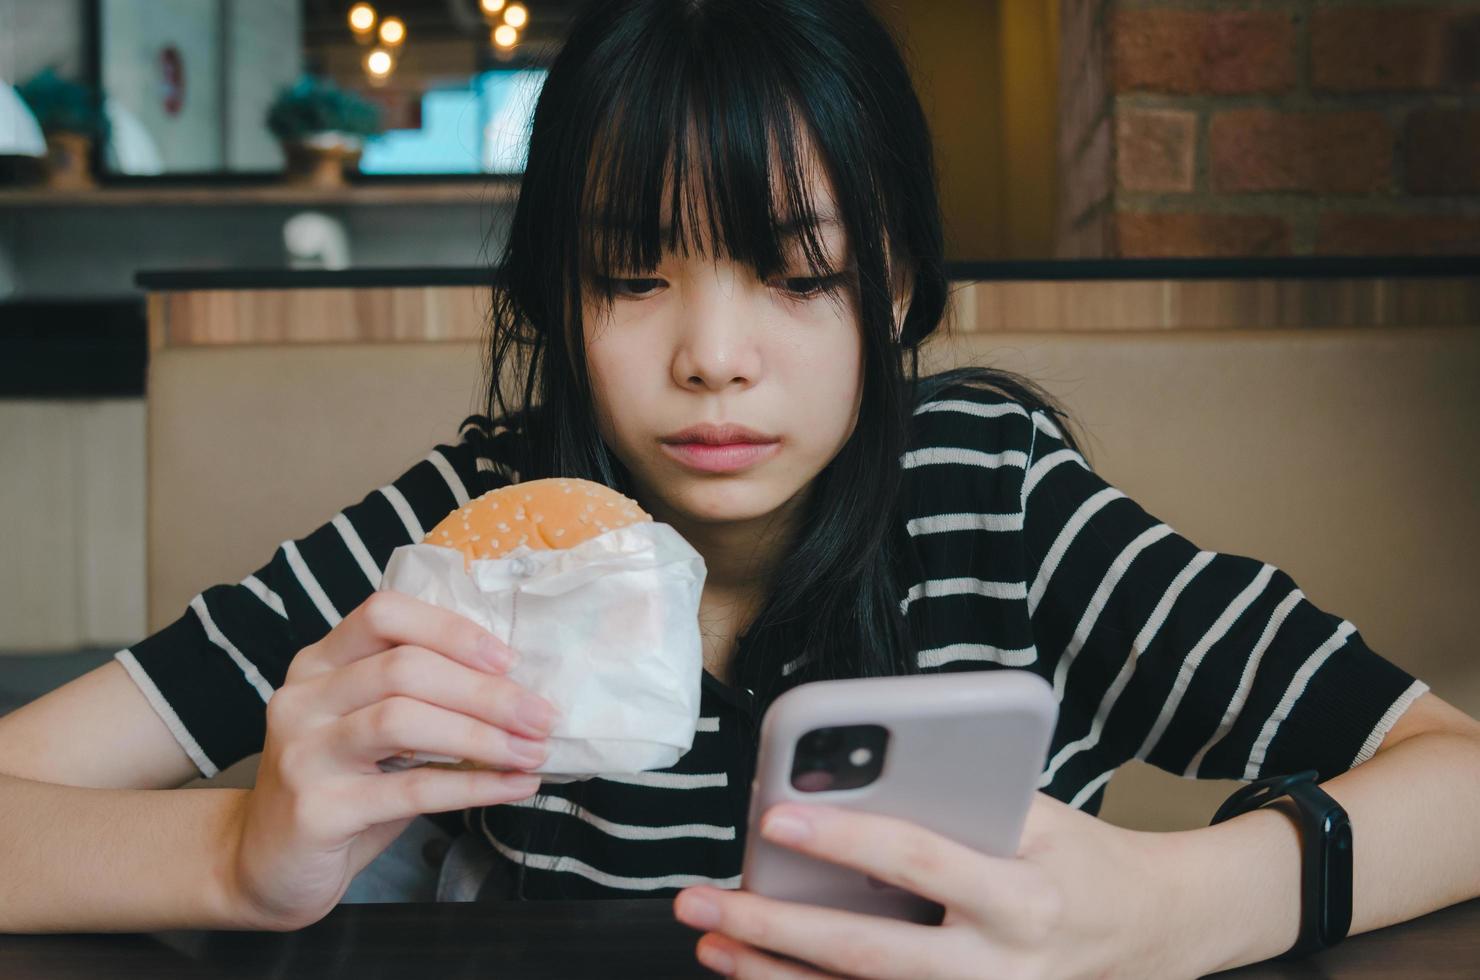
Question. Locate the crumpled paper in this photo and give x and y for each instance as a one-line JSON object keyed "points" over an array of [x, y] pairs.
{"points": [[607, 631]]}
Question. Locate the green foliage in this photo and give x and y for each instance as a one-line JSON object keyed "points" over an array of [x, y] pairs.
{"points": [[316, 105], [63, 106]]}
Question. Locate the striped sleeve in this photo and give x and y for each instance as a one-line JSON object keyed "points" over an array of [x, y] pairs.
{"points": [[1205, 664], [210, 673]]}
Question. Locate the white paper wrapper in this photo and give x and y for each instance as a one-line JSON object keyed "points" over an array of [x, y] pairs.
{"points": [[607, 631]]}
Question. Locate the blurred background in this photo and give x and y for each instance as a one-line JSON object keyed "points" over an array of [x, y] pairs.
{"points": [[181, 180]]}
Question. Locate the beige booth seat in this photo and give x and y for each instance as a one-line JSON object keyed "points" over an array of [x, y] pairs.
{"points": [[1348, 458]]}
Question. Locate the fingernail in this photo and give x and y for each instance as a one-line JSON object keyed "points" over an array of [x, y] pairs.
{"points": [[528, 753], [716, 959], [537, 713], [698, 911], [496, 654], [786, 828]]}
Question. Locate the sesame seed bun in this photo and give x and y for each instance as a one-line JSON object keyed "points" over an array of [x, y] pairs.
{"points": [[540, 514]]}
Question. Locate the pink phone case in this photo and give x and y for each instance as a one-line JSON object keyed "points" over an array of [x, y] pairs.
{"points": [[963, 758]]}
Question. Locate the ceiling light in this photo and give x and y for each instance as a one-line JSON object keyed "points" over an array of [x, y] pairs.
{"points": [[392, 31], [379, 63], [361, 18]]}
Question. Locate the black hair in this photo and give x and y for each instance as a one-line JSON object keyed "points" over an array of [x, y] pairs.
{"points": [[648, 95]]}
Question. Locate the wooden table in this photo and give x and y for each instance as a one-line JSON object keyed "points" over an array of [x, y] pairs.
{"points": [[581, 939]]}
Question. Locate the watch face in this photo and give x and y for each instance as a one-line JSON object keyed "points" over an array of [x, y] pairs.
{"points": [[1336, 878]]}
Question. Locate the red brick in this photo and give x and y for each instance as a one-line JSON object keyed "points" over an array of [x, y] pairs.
{"points": [[1379, 49], [1154, 149], [1144, 234], [1324, 152], [1388, 234], [1441, 151], [1195, 51]]}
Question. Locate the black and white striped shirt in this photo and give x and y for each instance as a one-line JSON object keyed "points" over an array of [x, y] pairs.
{"points": [[1205, 664]]}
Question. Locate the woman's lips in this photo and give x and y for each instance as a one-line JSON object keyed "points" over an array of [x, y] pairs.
{"points": [[727, 458]]}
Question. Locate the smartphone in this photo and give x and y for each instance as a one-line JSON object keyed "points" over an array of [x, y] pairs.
{"points": [[959, 754]]}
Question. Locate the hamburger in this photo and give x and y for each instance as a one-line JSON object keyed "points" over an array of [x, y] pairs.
{"points": [[541, 515]]}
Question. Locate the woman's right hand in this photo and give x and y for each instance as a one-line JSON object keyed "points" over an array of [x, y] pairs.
{"points": [[396, 675]]}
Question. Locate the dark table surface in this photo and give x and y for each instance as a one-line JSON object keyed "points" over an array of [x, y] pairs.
{"points": [[578, 939]]}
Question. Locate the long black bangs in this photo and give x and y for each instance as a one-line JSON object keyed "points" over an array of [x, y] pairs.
{"points": [[722, 177]]}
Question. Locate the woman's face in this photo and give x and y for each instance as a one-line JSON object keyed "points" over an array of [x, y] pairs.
{"points": [[700, 341]]}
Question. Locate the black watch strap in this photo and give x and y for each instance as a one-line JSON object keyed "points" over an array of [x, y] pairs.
{"points": [[1325, 854]]}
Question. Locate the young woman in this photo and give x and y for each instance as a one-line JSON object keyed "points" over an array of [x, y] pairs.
{"points": [[726, 251]]}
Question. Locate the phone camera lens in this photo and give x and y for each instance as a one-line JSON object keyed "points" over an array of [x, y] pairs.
{"points": [[839, 757]]}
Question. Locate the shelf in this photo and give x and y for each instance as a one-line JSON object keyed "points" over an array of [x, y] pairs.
{"points": [[466, 193]]}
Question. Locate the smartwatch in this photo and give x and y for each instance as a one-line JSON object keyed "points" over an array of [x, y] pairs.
{"points": [[1325, 855]]}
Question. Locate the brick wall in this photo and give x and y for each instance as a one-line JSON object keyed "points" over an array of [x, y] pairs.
{"points": [[1269, 127]]}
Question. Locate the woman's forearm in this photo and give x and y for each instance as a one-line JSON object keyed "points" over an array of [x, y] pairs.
{"points": [[93, 860], [1415, 848]]}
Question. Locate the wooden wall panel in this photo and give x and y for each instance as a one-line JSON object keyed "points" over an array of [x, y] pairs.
{"points": [[1216, 304], [318, 316]]}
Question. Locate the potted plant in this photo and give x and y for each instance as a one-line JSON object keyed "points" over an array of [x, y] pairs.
{"points": [[72, 119], [322, 128]]}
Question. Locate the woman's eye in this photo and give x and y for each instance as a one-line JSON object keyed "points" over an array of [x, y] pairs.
{"points": [[635, 287], [804, 285], [807, 287], [801, 287]]}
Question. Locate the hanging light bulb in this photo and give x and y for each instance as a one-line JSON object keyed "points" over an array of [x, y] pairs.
{"points": [[379, 63], [392, 31], [361, 18], [516, 15], [505, 36]]}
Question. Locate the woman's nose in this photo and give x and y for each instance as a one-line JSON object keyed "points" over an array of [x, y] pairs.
{"points": [[717, 344]]}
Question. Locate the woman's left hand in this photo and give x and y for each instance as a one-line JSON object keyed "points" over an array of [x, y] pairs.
{"points": [[1082, 898]]}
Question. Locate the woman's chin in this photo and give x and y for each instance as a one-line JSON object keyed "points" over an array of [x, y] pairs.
{"points": [[727, 501]]}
